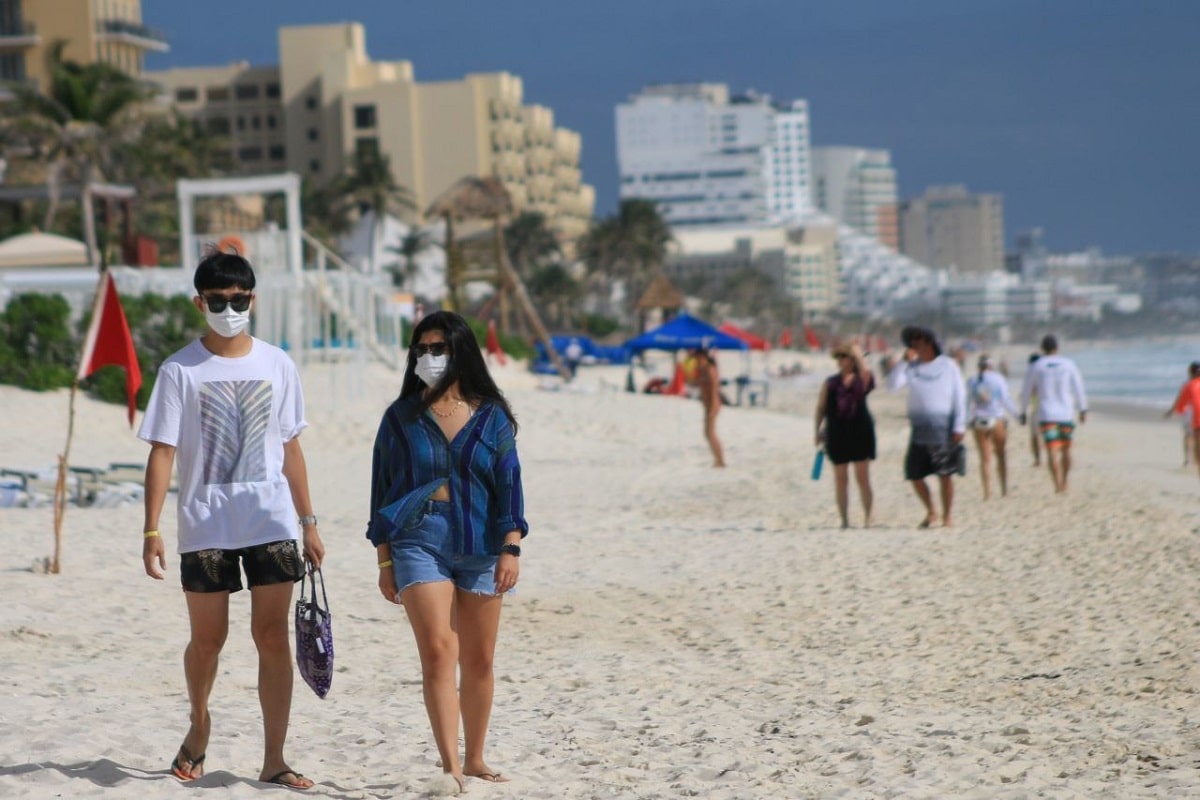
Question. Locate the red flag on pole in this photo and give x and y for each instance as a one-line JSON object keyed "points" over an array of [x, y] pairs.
{"points": [[810, 338], [785, 338], [109, 342], [493, 343]]}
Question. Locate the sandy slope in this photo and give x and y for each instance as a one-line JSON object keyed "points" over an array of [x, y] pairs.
{"points": [[679, 631]]}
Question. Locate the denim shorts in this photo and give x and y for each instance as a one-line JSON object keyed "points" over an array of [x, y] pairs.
{"points": [[426, 555]]}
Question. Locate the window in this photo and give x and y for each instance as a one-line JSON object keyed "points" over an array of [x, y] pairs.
{"points": [[364, 117], [314, 166], [250, 154], [277, 153], [311, 102], [273, 90], [313, 134], [271, 121], [241, 123], [218, 126], [12, 67], [366, 147], [186, 94], [247, 91], [255, 122], [217, 93]]}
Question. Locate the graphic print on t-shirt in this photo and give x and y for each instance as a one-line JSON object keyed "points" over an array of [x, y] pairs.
{"points": [[233, 430]]}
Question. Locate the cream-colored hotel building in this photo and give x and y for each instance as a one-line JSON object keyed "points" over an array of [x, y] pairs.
{"points": [[326, 100], [109, 31]]}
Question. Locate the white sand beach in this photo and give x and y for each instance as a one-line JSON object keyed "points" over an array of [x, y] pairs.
{"points": [[679, 631]]}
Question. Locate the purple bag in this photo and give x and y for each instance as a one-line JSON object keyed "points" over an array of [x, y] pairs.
{"points": [[314, 637]]}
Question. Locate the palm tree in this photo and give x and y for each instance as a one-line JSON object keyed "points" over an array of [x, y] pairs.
{"points": [[412, 244], [74, 125], [551, 287], [368, 186], [531, 243], [629, 246], [166, 147]]}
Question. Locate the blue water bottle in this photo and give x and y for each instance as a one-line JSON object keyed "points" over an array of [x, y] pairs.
{"points": [[818, 462]]}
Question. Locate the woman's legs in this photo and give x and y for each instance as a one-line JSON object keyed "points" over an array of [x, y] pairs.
{"points": [[1000, 444], [841, 479], [862, 475], [430, 607], [984, 444], [477, 619]]}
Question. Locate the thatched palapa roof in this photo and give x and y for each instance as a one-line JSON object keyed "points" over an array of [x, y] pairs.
{"points": [[473, 198], [660, 294]]}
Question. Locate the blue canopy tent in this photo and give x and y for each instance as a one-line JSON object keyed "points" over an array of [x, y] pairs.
{"points": [[684, 332], [592, 352]]}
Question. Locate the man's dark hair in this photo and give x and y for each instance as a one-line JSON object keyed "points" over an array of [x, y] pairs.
{"points": [[466, 365], [911, 333], [1194, 368], [219, 270], [1049, 343]]}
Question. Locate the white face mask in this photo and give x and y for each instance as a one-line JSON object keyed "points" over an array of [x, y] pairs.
{"points": [[431, 368], [228, 323]]}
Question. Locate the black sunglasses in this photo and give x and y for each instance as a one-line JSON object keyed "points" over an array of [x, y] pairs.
{"points": [[433, 349], [216, 302]]}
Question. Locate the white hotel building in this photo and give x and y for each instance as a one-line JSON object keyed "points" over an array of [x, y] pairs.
{"points": [[707, 159]]}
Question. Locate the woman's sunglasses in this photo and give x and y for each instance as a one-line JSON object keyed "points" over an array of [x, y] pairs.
{"points": [[433, 349], [216, 303]]}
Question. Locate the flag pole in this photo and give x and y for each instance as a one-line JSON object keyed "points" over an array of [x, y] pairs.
{"points": [[60, 486]]}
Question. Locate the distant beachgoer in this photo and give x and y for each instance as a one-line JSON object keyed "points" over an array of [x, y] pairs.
{"points": [[1056, 383], [1187, 405], [228, 410], [845, 428], [937, 411], [573, 353], [1035, 437], [987, 400], [708, 379]]}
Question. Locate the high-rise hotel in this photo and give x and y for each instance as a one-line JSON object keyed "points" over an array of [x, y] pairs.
{"points": [[707, 158], [107, 31], [326, 101]]}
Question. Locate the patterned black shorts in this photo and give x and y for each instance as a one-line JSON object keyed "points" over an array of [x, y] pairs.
{"points": [[206, 571]]}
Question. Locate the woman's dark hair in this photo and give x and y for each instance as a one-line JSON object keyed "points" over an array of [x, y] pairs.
{"points": [[466, 365], [218, 270]]}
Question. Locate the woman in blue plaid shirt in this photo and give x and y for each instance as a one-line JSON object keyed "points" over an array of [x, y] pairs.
{"points": [[447, 519]]}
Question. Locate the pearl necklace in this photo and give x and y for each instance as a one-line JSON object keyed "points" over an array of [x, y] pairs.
{"points": [[448, 414]]}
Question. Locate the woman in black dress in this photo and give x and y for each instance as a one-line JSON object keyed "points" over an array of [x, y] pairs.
{"points": [[845, 427]]}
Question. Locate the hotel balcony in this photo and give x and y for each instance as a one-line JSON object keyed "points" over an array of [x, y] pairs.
{"points": [[21, 35], [132, 33]]}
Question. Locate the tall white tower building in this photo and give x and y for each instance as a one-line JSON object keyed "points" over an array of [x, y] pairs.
{"points": [[857, 186], [709, 159]]}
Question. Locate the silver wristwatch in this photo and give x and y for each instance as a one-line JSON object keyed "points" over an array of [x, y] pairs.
{"points": [[311, 519]]}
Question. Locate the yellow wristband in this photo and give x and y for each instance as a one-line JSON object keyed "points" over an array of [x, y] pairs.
{"points": [[385, 564], [149, 534]]}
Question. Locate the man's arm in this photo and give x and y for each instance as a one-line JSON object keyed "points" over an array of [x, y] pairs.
{"points": [[296, 472], [158, 480], [1080, 394]]}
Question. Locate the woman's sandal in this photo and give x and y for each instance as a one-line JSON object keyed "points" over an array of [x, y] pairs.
{"points": [[490, 777], [177, 767]]}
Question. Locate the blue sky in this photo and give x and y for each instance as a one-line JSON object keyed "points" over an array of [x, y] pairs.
{"points": [[1083, 114]]}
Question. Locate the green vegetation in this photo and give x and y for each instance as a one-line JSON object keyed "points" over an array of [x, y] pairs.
{"points": [[40, 351]]}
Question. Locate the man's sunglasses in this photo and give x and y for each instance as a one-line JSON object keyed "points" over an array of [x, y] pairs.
{"points": [[216, 302], [433, 349]]}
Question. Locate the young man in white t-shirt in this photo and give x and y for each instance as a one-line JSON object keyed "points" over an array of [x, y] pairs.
{"points": [[228, 409]]}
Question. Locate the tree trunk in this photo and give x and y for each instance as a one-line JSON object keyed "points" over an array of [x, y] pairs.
{"points": [[509, 276], [89, 215]]}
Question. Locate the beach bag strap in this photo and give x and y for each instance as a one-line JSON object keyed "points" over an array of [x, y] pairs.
{"points": [[313, 574]]}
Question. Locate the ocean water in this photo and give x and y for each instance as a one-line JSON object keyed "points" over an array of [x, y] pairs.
{"points": [[1140, 372]]}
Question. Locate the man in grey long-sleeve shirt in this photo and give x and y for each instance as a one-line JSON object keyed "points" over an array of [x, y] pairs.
{"points": [[937, 411]]}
